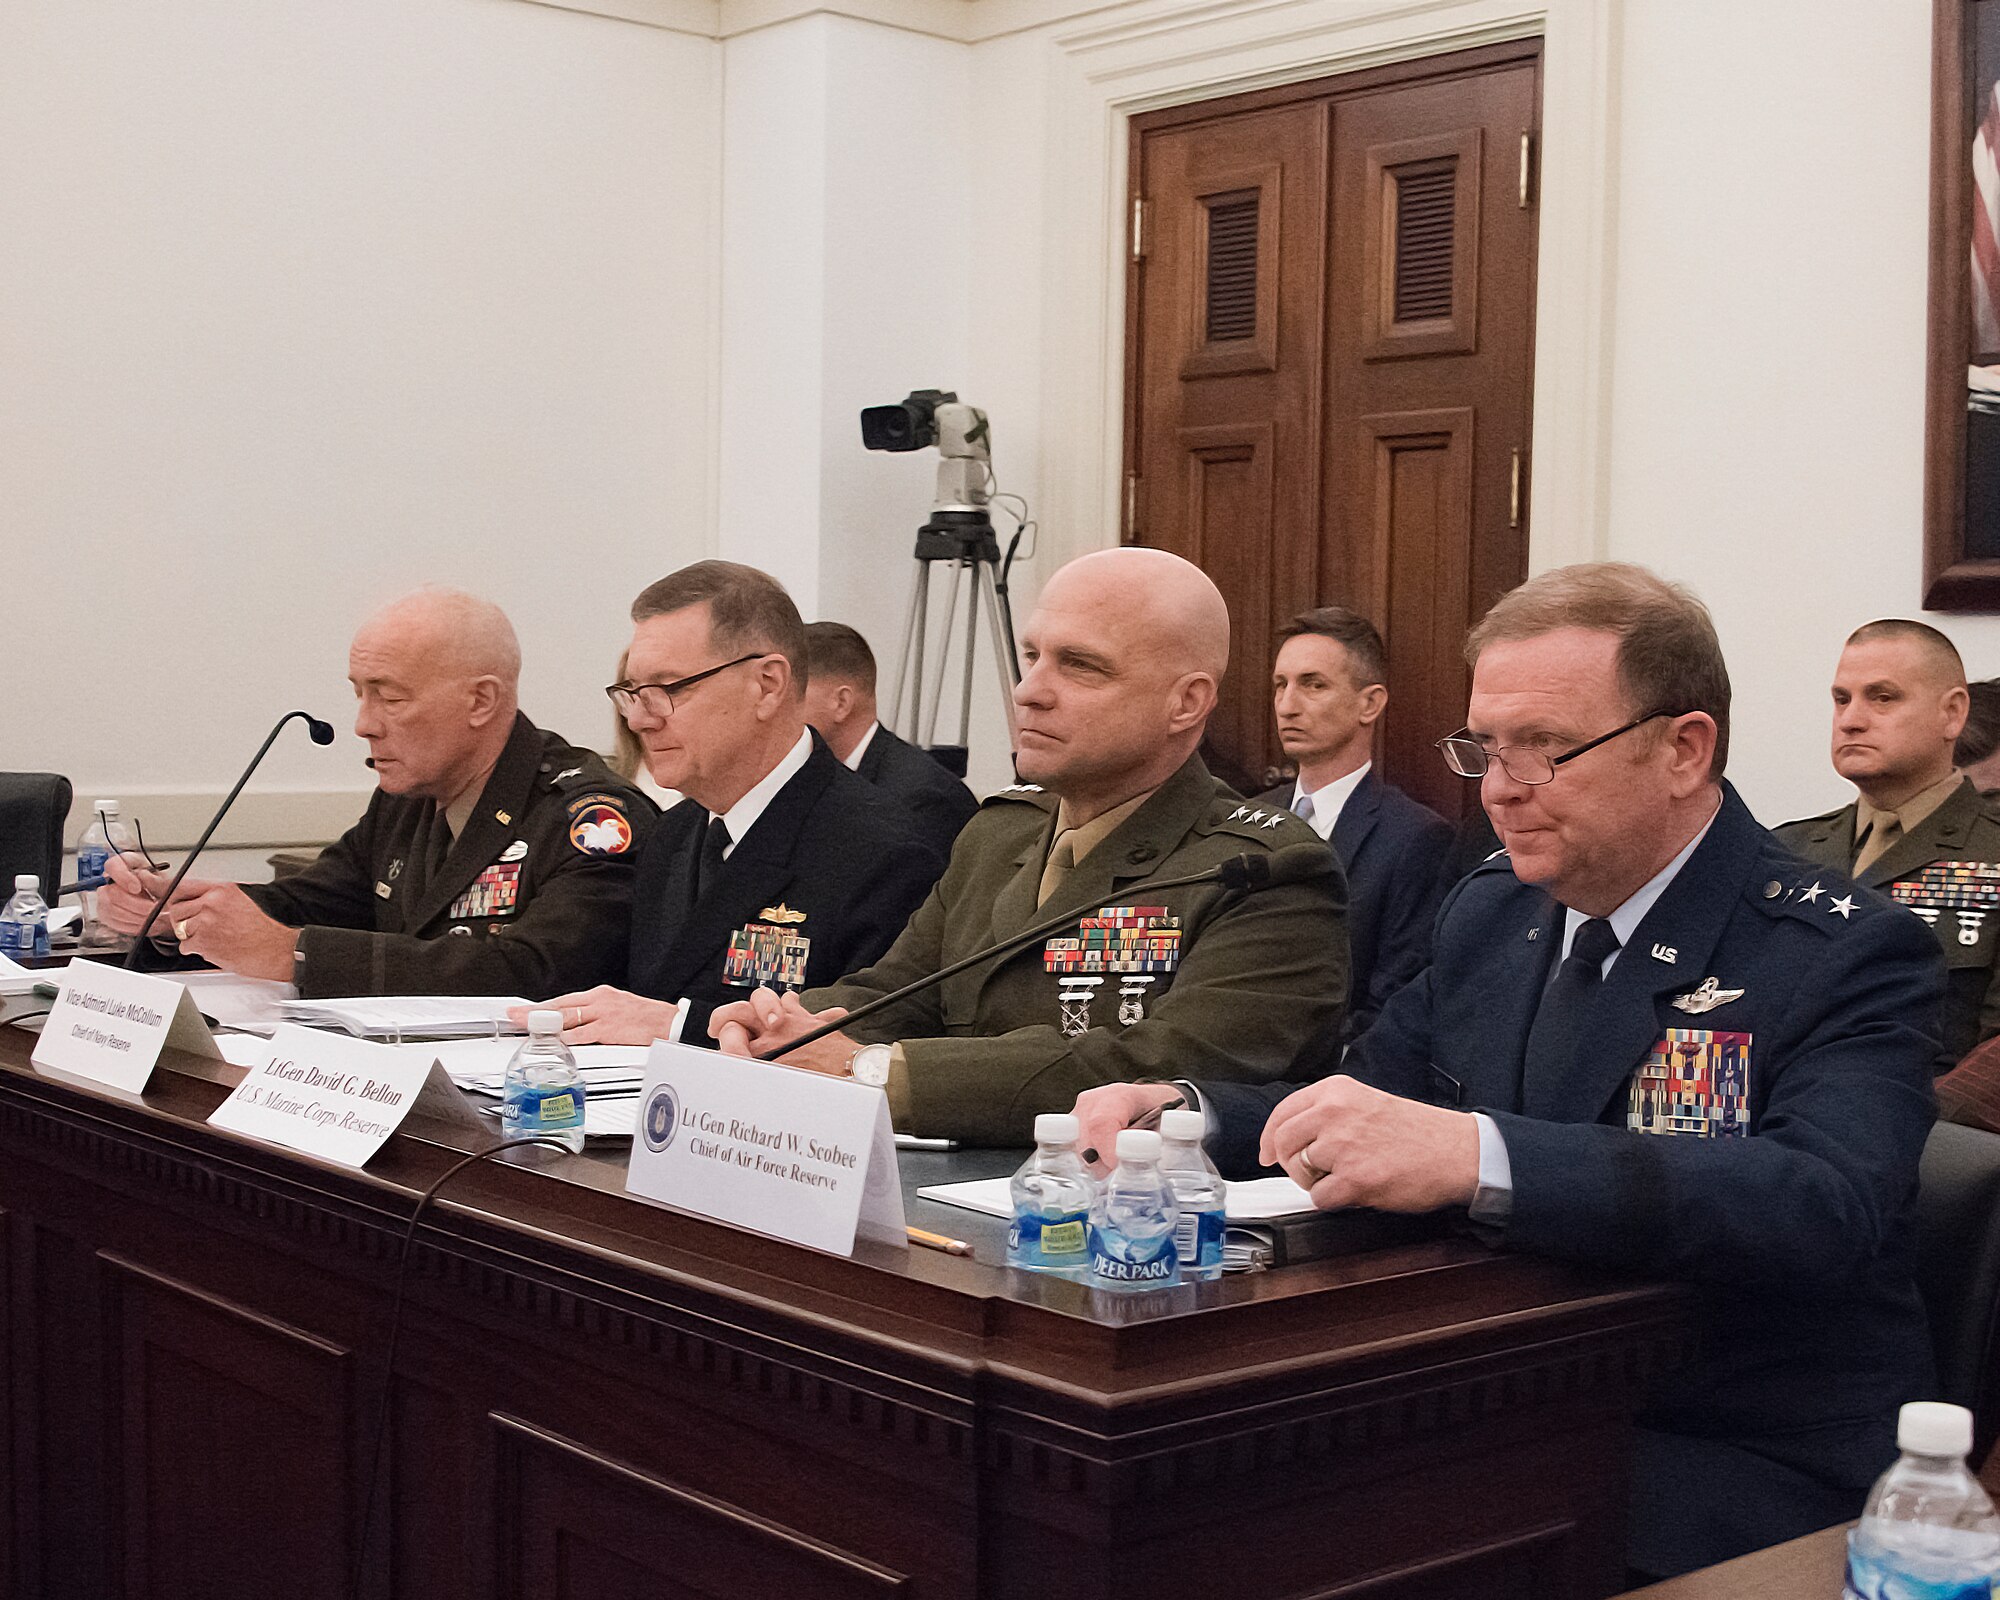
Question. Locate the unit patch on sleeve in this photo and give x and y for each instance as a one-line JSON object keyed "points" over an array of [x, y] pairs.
{"points": [[598, 826]]}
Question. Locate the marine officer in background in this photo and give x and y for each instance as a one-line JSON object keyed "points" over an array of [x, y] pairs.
{"points": [[1651, 1040], [493, 858], [1329, 688], [840, 705], [1918, 830], [1121, 662]]}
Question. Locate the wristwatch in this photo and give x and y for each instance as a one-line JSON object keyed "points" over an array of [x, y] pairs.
{"points": [[870, 1065]]}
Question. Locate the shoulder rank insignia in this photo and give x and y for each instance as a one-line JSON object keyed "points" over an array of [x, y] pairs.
{"points": [[1706, 997], [781, 913], [567, 772], [1022, 788]]}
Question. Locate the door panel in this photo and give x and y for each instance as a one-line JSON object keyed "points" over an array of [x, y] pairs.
{"points": [[1329, 372]]}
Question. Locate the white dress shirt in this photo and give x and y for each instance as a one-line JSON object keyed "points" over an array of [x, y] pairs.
{"points": [[853, 762], [740, 818], [1494, 1200], [1328, 800]]}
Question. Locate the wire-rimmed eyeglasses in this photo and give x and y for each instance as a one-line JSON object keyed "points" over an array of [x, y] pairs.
{"points": [[1467, 757], [660, 699]]}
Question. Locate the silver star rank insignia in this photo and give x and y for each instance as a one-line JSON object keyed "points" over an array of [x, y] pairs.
{"points": [[1812, 895], [1239, 813], [1844, 905], [1274, 819]]}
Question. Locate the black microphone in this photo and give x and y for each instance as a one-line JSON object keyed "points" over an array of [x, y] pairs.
{"points": [[321, 732], [1247, 873]]}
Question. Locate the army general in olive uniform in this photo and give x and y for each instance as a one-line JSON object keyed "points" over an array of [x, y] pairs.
{"points": [[1918, 831], [493, 858], [1122, 658]]}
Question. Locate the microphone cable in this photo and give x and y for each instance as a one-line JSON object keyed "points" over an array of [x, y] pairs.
{"points": [[395, 1334]]}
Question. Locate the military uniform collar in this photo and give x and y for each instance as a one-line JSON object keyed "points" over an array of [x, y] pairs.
{"points": [[502, 801], [1939, 828]]}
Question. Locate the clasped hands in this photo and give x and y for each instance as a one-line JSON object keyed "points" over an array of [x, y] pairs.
{"points": [[607, 1015], [1344, 1142], [216, 921]]}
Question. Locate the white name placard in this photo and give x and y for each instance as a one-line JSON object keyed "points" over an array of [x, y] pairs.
{"points": [[783, 1151], [326, 1094], [109, 1025]]}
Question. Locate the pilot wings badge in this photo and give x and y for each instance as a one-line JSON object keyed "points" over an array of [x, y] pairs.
{"points": [[1707, 997]]}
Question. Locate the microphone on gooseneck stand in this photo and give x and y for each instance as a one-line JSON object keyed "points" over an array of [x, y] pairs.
{"points": [[322, 733], [1248, 873]]}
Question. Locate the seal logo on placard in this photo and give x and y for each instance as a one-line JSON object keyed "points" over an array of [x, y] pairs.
{"points": [[662, 1118]]}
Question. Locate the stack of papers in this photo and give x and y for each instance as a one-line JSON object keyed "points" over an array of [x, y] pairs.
{"points": [[17, 979], [1257, 1200], [409, 1016], [252, 1004]]}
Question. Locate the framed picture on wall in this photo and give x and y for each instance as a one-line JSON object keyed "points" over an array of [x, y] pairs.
{"points": [[1962, 430]]}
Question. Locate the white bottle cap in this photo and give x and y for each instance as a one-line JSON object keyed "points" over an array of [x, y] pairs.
{"points": [[1934, 1428], [27, 880], [1055, 1127], [545, 1022], [1138, 1144], [110, 807], [1185, 1123]]}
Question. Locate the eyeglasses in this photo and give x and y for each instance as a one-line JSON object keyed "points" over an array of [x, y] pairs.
{"points": [[1467, 757], [663, 699]]}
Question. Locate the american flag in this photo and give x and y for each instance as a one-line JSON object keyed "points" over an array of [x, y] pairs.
{"points": [[1986, 228]]}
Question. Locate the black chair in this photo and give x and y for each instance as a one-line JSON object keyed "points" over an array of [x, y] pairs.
{"points": [[1958, 1269], [34, 812]]}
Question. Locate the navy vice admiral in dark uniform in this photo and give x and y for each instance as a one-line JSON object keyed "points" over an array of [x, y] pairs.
{"points": [[840, 705], [1651, 1039], [781, 868], [493, 858], [1329, 689]]}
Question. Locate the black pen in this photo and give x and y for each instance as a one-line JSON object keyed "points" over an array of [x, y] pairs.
{"points": [[1146, 1121]]}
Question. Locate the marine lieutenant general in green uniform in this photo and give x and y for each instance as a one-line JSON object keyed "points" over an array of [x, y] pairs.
{"points": [[493, 858], [1919, 830], [1122, 659]]}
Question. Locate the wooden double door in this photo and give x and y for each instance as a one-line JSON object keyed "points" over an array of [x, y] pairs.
{"points": [[1329, 372]]}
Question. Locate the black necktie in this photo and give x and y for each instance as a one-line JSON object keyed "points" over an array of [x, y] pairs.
{"points": [[1558, 1028], [709, 867]]}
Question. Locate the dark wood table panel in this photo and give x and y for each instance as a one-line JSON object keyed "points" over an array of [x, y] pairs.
{"points": [[600, 1397]]}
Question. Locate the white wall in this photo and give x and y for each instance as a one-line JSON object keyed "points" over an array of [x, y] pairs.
{"points": [[303, 303], [1769, 357]]}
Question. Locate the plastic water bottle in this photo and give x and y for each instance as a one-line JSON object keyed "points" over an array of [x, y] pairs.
{"points": [[1133, 1219], [544, 1091], [1199, 1190], [1052, 1194], [104, 837], [1928, 1531], [24, 923]]}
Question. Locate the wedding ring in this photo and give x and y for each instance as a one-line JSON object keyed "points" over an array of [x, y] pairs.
{"points": [[181, 931], [1314, 1172], [576, 1012]]}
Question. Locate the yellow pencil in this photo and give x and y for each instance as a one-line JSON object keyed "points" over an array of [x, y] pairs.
{"points": [[937, 1241]]}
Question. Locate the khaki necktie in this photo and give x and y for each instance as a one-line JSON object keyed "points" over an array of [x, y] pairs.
{"points": [[1061, 858], [1880, 837]]}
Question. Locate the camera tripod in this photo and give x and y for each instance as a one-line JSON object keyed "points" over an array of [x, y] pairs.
{"points": [[965, 540]]}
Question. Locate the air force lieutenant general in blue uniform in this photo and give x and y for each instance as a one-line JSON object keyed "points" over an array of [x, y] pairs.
{"points": [[1653, 1040]]}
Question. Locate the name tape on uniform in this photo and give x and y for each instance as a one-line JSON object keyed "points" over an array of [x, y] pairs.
{"points": [[109, 1025], [326, 1094], [776, 1149]]}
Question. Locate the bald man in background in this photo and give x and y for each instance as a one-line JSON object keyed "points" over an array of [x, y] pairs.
{"points": [[1121, 663], [1919, 830], [493, 858]]}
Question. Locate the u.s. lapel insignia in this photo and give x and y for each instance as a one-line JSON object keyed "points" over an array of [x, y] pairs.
{"points": [[781, 913], [1705, 997], [1666, 953]]}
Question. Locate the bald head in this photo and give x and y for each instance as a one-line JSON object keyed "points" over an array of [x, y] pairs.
{"points": [[451, 633], [436, 680], [1154, 602], [1899, 704], [1121, 659]]}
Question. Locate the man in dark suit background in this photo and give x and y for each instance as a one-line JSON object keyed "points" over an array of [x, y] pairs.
{"points": [[781, 868], [1329, 688], [840, 706], [1650, 1039]]}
